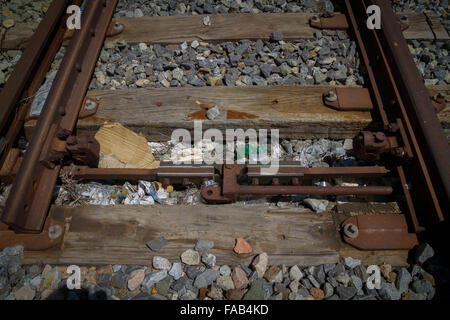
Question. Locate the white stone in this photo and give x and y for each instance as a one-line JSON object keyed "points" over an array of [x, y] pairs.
{"points": [[194, 44], [161, 263], [295, 273], [348, 144], [190, 257]]}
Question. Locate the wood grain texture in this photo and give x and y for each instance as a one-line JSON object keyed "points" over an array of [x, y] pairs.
{"points": [[123, 148], [177, 29], [297, 111], [117, 235], [420, 28], [236, 26]]}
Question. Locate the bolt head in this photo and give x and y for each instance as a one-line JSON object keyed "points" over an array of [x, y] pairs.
{"points": [[54, 232], [351, 230], [331, 96], [380, 136]]}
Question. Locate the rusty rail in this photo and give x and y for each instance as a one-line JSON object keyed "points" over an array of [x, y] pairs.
{"points": [[30, 60], [173, 174], [418, 108], [411, 141], [10, 158], [230, 189], [26, 207], [408, 125]]}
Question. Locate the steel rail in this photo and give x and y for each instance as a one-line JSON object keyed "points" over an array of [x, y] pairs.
{"points": [[314, 190], [27, 206], [23, 105], [418, 189], [30, 60], [418, 106], [174, 173], [322, 173]]}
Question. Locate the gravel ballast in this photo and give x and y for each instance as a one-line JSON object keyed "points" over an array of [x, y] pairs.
{"points": [[14, 12], [191, 279], [140, 8], [330, 58]]}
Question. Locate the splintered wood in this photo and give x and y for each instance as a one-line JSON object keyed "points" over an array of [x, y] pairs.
{"points": [[122, 148]]}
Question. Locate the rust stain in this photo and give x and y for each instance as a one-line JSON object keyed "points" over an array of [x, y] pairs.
{"points": [[198, 115], [96, 119], [233, 114]]}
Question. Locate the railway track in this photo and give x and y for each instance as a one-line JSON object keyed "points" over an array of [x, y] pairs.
{"points": [[395, 122]]}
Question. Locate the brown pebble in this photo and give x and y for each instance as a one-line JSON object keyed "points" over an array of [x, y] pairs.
{"points": [[242, 246], [239, 278], [202, 293], [317, 293], [235, 294]]}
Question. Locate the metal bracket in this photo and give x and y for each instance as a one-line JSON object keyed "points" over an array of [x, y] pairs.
{"points": [[84, 149], [348, 99], [51, 236], [336, 22], [231, 187], [370, 145], [378, 232]]}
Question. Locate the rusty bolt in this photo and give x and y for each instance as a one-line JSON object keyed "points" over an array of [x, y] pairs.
{"points": [[72, 140], [331, 96], [380, 136], [404, 19], [63, 134], [54, 232], [350, 230], [315, 18], [62, 111]]}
